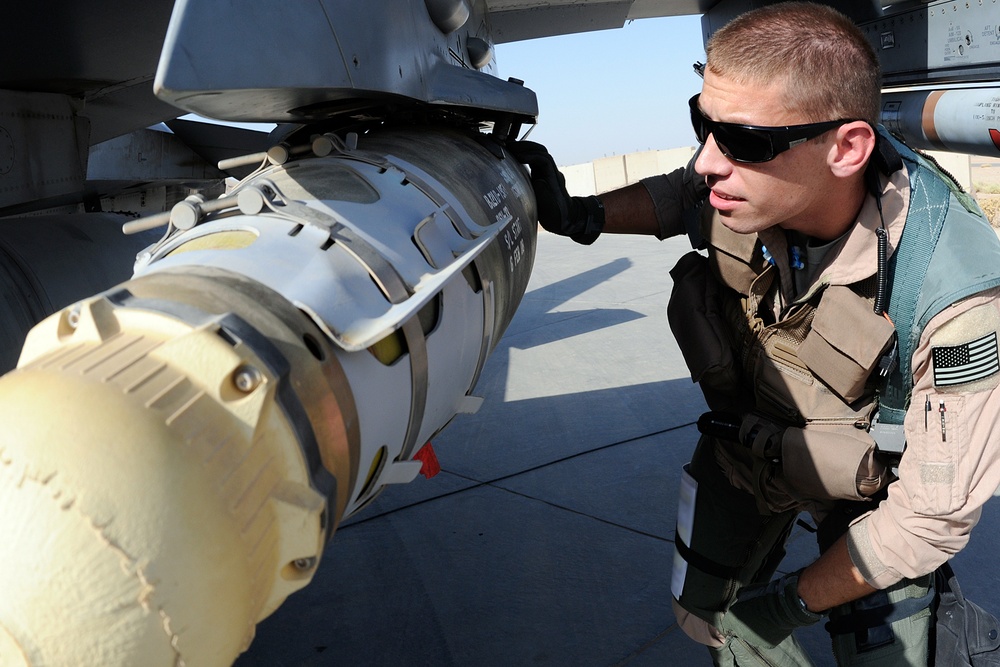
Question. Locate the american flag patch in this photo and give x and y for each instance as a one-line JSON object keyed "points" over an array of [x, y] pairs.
{"points": [[961, 364]]}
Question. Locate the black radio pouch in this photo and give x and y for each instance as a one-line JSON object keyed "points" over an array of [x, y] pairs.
{"points": [[694, 313]]}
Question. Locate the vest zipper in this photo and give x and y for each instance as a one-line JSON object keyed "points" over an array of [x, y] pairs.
{"points": [[861, 423]]}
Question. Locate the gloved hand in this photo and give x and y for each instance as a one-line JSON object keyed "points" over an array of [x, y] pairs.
{"points": [[765, 614], [580, 218]]}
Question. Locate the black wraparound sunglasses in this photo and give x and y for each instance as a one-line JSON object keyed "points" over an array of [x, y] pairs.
{"points": [[753, 143]]}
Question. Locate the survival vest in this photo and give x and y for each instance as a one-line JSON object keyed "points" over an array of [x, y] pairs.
{"points": [[948, 251], [745, 362]]}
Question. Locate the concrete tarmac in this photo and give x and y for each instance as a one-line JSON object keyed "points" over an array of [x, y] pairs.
{"points": [[547, 539]]}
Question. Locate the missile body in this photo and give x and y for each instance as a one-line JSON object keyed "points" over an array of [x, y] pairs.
{"points": [[960, 120], [177, 450]]}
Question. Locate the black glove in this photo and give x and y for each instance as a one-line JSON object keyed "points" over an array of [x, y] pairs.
{"points": [[580, 218], [765, 614]]}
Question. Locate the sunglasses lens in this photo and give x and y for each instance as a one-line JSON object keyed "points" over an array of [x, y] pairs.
{"points": [[744, 144], [699, 123], [737, 143]]}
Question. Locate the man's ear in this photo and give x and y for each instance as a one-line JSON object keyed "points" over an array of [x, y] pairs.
{"points": [[852, 146]]}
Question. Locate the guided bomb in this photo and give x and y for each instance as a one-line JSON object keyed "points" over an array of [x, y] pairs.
{"points": [[177, 450]]}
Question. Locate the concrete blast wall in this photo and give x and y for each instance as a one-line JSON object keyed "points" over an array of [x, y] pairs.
{"points": [[613, 172]]}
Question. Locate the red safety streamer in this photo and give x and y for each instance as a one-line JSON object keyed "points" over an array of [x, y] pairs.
{"points": [[429, 459]]}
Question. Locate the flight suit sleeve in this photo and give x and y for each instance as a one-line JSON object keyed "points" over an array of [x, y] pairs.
{"points": [[677, 199], [951, 465]]}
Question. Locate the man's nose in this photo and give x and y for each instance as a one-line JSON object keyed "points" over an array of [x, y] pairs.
{"points": [[711, 161]]}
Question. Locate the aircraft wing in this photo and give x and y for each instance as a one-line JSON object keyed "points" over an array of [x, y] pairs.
{"points": [[94, 63], [102, 55], [516, 20]]}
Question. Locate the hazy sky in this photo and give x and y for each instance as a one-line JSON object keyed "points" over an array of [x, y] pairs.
{"points": [[613, 91]]}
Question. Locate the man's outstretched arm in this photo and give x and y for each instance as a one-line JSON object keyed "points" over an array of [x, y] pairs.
{"points": [[655, 206]]}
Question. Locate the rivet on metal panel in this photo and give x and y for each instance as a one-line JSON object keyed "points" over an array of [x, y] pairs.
{"points": [[246, 378], [304, 563], [73, 317]]}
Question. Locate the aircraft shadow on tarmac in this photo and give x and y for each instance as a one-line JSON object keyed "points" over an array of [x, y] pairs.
{"points": [[539, 321], [536, 544]]}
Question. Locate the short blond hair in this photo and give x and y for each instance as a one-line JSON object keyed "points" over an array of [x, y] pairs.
{"points": [[829, 69]]}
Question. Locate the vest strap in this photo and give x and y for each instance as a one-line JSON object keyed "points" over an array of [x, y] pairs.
{"points": [[703, 563]]}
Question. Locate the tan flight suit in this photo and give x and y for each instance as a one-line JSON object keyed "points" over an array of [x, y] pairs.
{"points": [[806, 365]]}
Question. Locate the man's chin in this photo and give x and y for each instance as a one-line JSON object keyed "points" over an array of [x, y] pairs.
{"points": [[737, 224]]}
